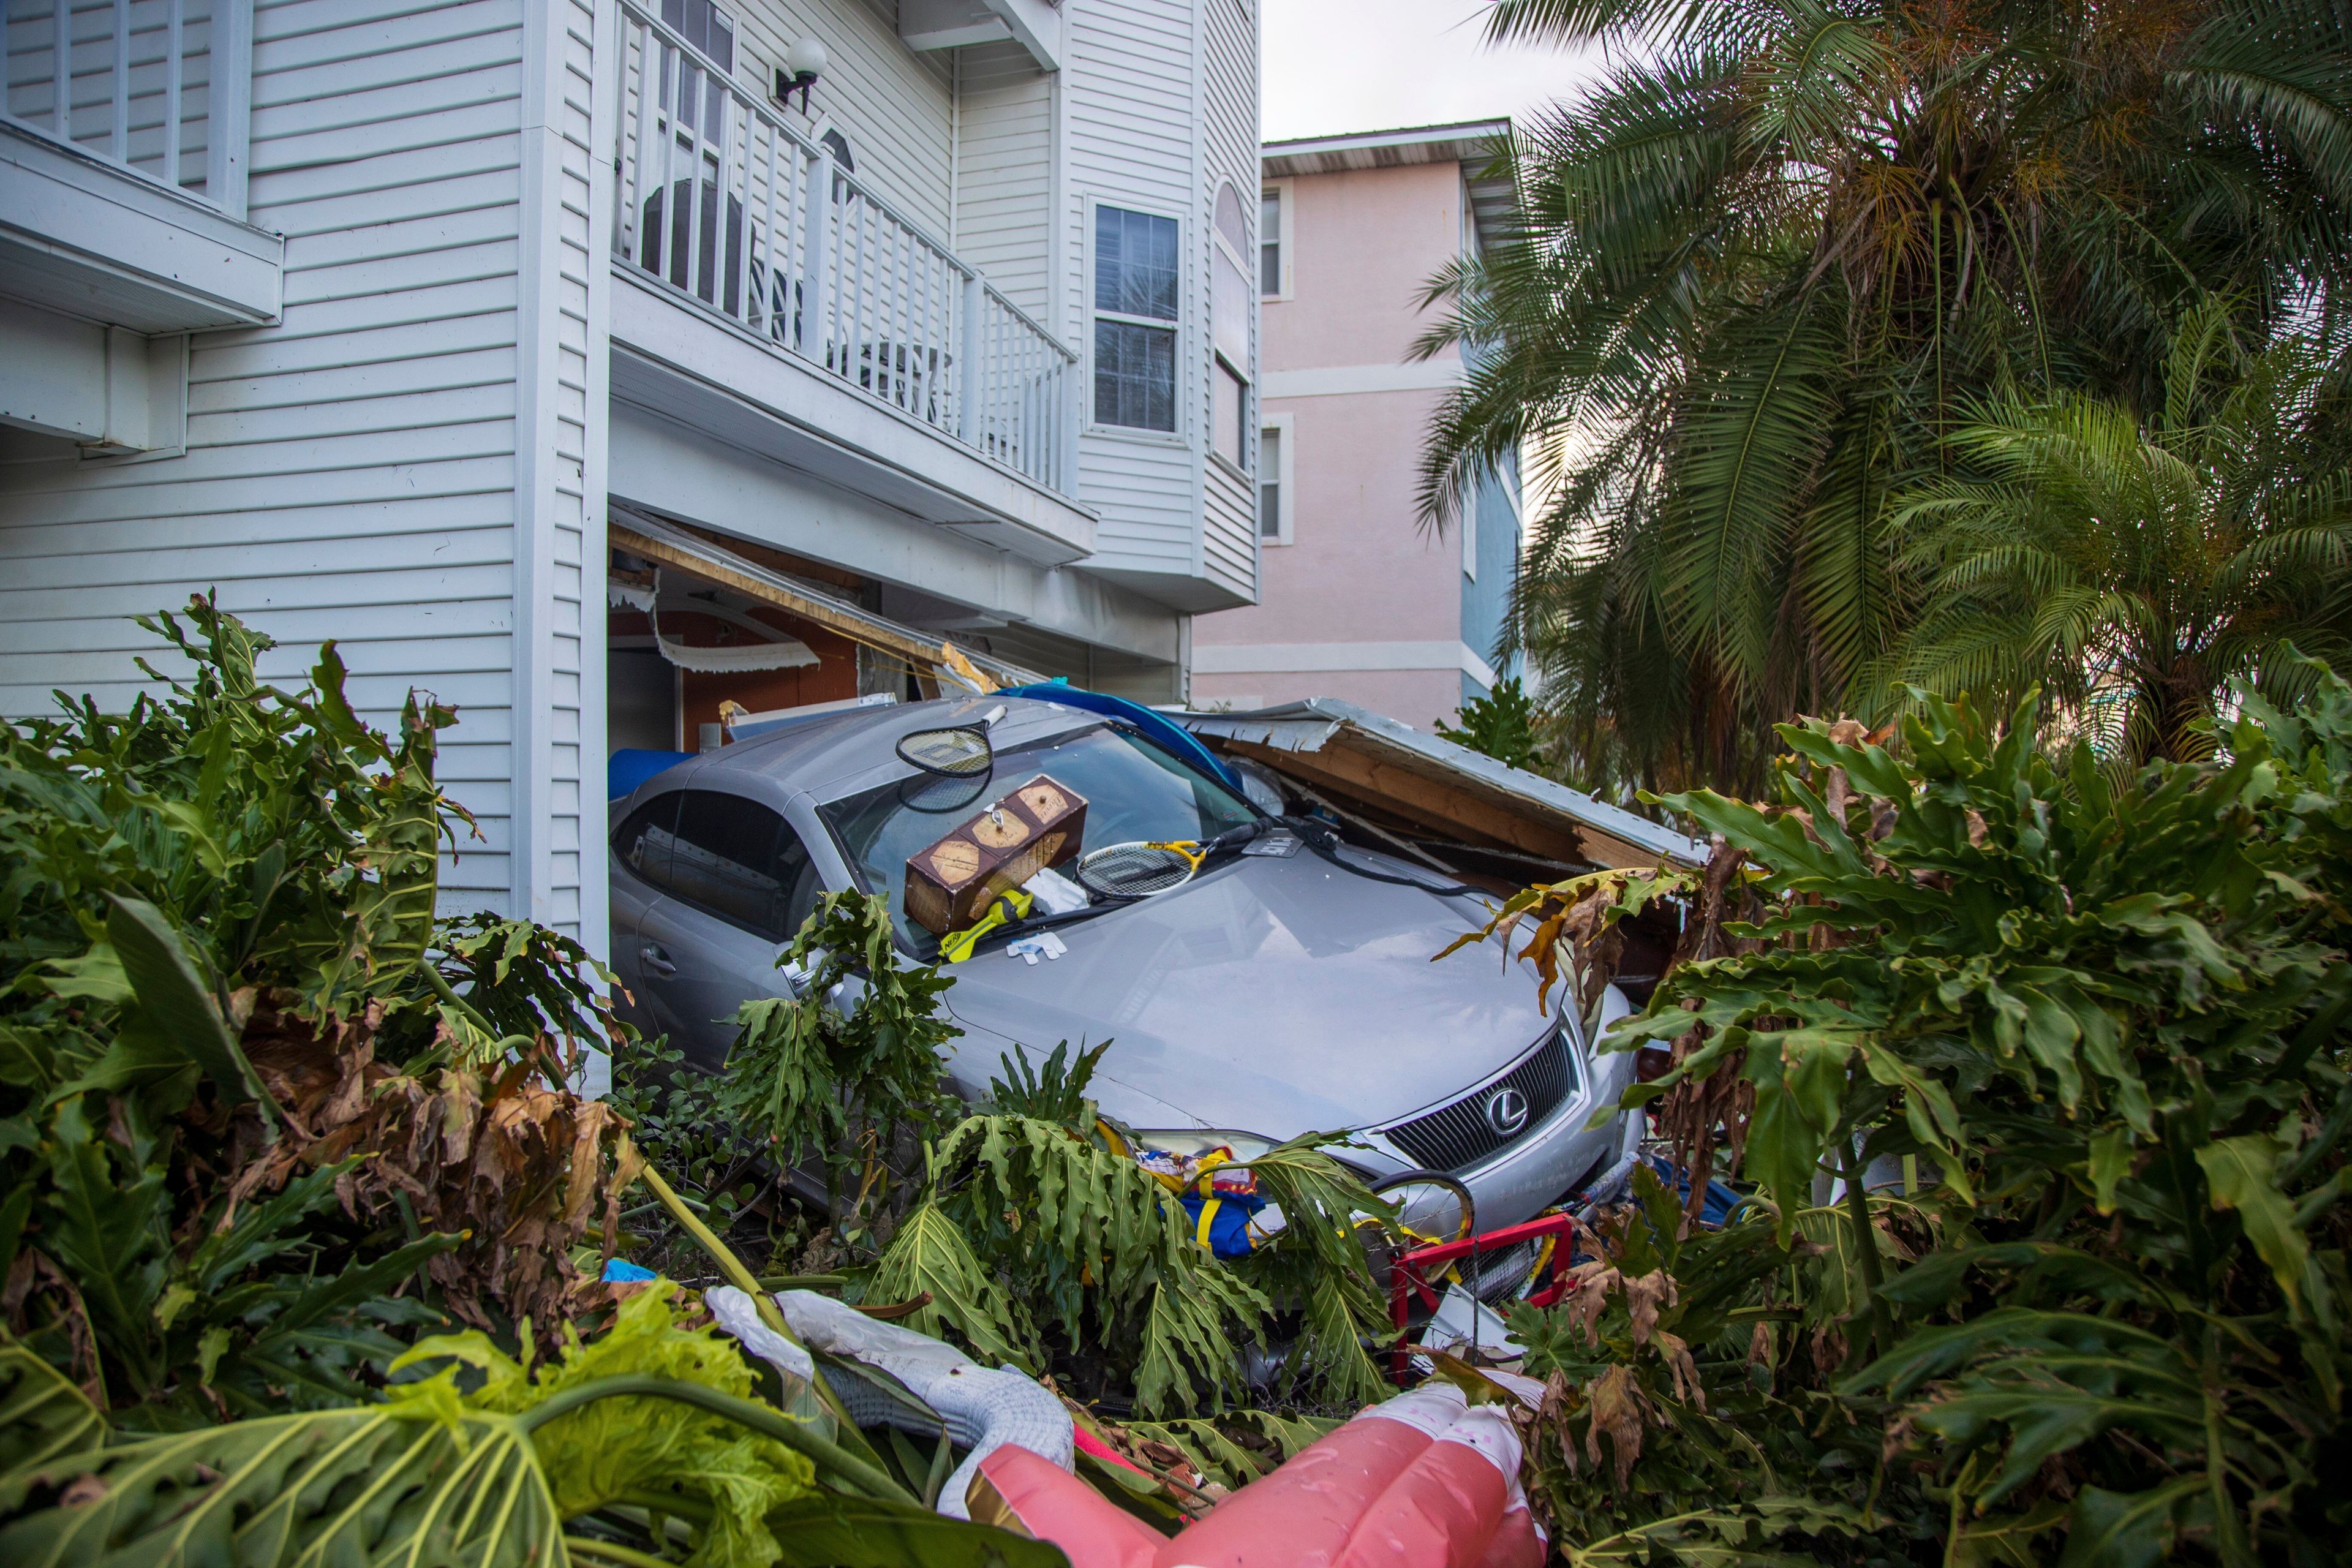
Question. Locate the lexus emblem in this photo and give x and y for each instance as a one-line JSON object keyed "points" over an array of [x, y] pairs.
{"points": [[1507, 1111]]}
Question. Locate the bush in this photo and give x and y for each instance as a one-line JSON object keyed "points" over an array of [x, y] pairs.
{"points": [[2076, 1056], [1501, 725], [260, 1112]]}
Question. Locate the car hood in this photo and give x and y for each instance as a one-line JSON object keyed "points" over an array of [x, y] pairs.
{"points": [[1271, 995]]}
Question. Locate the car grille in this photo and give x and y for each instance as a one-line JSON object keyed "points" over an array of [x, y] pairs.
{"points": [[1454, 1137]]}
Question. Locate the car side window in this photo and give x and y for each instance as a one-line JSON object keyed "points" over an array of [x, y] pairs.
{"points": [[741, 862], [643, 843]]}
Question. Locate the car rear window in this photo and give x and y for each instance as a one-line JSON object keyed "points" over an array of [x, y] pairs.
{"points": [[643, 843], [731, 857]]}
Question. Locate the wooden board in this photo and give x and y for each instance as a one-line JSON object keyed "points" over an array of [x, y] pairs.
{"points": [[1445, 806]]}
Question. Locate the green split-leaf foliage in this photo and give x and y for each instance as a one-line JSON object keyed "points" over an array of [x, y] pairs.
{"points": [[2085, 1035]]}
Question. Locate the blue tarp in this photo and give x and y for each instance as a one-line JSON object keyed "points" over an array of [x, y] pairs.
{"points": [[1157, 726], [627, 768]]}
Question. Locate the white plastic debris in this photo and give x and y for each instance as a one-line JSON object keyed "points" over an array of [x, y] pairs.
{"points": [[1056, 894], [1030, 949], [1462, 1321]]}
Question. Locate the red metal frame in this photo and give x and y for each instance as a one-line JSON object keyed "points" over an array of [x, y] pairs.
{"points": [[1412, 1273]]}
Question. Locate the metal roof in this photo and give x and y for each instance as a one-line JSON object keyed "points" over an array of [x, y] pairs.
{"points": [[1469, 143], [1464, 141], [1336, 744]]}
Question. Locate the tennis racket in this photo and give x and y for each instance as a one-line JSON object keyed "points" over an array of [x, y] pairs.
{"points": [[1141, 868]]}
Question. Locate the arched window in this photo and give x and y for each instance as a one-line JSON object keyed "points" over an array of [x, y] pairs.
{"points": [[1230, 222], [1228, 331]]}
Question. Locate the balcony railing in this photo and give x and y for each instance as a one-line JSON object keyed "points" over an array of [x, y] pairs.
{"points": [[159, 88], [722, 202]]}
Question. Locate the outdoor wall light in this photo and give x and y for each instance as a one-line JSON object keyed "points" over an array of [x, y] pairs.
{"points": [[804, 63]]}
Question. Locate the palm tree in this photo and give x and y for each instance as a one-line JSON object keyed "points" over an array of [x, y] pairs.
{"points": [[1767, 266], [2132, 567]]}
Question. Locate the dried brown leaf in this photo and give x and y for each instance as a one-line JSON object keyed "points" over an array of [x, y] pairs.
{"points": [[1644, 1294], [1618, 1407]]}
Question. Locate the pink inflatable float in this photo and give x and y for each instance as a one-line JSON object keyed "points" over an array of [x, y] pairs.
{"points": [[1424, 1480]]}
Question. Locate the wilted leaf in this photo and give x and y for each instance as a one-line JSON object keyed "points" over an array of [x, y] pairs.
{"points": [[629, 1445]]}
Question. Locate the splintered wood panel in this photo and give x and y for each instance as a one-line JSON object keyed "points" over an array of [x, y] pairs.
{"points": [[1446, 807], [780, 561]]}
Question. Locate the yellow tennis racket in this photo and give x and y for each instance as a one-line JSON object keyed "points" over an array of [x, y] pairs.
{"points": [[1141, 868]]}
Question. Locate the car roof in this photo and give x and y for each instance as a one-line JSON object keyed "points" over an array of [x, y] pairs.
{"points": [[822, 755]]}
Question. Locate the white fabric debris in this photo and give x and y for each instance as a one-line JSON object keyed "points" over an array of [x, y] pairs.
{"points": [[982, 1409], [739, 1316], [1429, 1409], [786, 653]]}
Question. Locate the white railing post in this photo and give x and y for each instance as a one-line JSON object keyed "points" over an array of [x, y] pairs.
{"points": [[120, 141], [229, 106], [641, 161], [1071, 416], [967, 386], [61, 68], [174, 67], [816, 261]]}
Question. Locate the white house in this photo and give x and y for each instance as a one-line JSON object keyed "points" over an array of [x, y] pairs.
{"points": [[535, 349]]}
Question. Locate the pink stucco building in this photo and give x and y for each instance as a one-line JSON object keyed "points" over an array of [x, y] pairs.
{"points": [[1358, 599]]}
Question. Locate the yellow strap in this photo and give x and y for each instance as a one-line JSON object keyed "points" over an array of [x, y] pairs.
{"points": [[1208, 1212]]}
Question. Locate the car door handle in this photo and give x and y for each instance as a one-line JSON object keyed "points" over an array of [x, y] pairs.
{"points": [[657, 962]]}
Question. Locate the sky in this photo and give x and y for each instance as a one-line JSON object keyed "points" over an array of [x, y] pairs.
{"points": [[1337, 65]]}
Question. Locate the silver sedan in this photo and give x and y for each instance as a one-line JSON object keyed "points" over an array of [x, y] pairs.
{"points": [[1286, 989]]}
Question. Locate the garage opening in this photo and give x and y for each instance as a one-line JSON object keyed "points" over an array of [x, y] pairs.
{"points": [[707, 637]]}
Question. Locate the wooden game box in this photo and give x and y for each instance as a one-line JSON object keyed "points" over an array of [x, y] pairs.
{"points": [[1038, 825]]}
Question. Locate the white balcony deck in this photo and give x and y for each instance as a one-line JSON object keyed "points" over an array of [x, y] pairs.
{"points": [[122, 164], [886, 362]]}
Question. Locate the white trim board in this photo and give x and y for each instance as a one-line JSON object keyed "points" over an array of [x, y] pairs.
{"points": [[1338, 380], [1285, 484], [1335, 657]]}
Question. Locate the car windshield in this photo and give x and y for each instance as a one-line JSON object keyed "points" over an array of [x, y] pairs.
{"points": [[1132, 790]]}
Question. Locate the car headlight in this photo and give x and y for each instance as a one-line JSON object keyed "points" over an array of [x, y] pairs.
{"points": [[1196, 1140]]}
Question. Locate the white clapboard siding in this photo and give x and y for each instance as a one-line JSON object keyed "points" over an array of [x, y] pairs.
{"points": [[1229, 140], [565, 211], [1004, 152], [895, 107], [354, 472], [1129, 95]]}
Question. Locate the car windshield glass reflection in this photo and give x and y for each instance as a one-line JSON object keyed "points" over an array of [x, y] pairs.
{"points": [[1133, 791]]}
